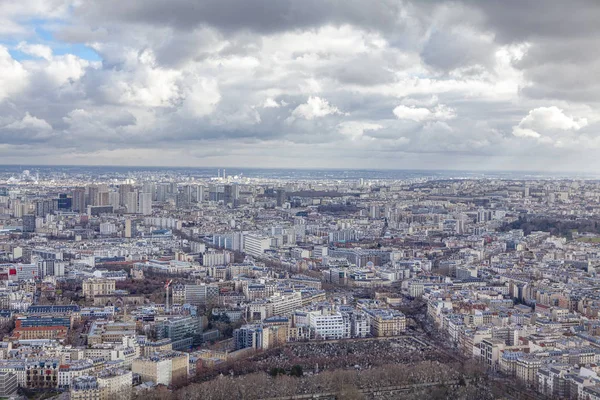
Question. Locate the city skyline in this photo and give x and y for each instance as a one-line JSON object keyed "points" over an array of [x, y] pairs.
{"points": [[460, 85]]}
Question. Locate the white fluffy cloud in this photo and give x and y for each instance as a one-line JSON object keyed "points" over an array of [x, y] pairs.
{"points": [[270, 103], [29, 122], [13, 77], [202, 97], [315, 107], [547, 121], [36, 50], [419, 114]]}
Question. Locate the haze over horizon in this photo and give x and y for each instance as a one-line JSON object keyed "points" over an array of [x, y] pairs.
{"points": [[460, 85]]}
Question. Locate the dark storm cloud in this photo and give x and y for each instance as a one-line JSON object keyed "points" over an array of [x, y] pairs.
{"points": [[262, 16], [332, 80], [447, 51], [516, 20]]}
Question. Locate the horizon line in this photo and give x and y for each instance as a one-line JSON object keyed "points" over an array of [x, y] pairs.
{"points": [[302, 168]]}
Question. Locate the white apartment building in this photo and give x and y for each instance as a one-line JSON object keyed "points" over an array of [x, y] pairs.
{"points": [[255, 245], [328, 325]]}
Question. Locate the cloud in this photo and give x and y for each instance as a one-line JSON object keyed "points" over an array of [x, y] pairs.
{"points": [[202, 98], [270, 103], [419, 114], [29, 122], [356, 129], [262, 16], [36, 50], [398, 84], [315, 107], [547, 121], [13, 77]]}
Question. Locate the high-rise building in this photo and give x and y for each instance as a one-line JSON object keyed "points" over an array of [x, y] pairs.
{"points": [[104, 198], [64, 202], [281, 197], [93, 195], [114, 200], [78, 202], [200, 192], [29, 223], [184, 197], [216, 193], [128, 228], [132, 202], [230, 194], [149, 187], [145, 203], [162, 190], [45, 207], [50, 268], [124, 189], [255, 245], [8, 384], [16, 208]]}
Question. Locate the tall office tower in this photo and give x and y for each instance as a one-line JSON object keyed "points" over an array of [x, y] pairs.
{"points": [[281, 197], [16, 208], [161, 192], [45, 207], [187, 192], [149, 187], [29, 223], [230, 194], [123, 190], [132, 202], [49, 268], [224, 174], [93, 195], [103, 198], [212, 193], [200, 190], [180, 201], [145, 203], [78, 203], [114, 200], [65, 202], [375, 212], [173, 187], [127, 228]]}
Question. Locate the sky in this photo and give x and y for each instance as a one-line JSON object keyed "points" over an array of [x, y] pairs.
{"points": [[466, 84]]}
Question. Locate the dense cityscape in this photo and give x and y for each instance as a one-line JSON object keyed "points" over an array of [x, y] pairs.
{"points": [[149, 282], [299, 200]]}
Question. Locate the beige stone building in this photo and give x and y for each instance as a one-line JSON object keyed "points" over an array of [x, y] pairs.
{"points": [[98, 286], [115, 384], [386, 322], [163, 368]]}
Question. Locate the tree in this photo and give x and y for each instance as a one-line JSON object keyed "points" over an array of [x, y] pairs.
{"points": [[296, 371]]}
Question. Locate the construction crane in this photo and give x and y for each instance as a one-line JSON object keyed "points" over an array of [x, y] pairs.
{"points": [[167, 289]]}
